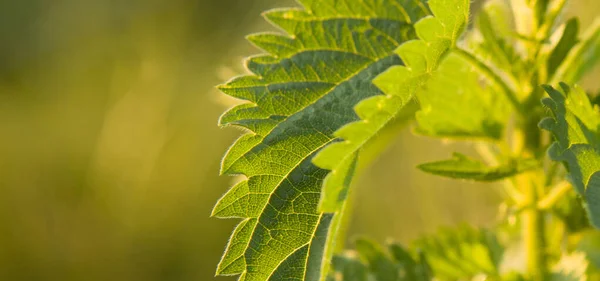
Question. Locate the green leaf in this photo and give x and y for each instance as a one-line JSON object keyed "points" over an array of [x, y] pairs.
{"points": [[463, 167], [574, 124], [567, 41], [379, 263], [581, 58], [400, 83], [461, 253], [450, 254], [540, 8], [414, 268], [348, 268], [495, 23], [299, 93], [459, 102], [371, 262]]}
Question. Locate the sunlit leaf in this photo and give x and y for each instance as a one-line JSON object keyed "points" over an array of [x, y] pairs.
{"points": [[371, 262], [450, 254], [463, 167], [455, 86], [461, 253], [567, 41], [583, 56], [300, 92], [437, 34], [575, 124]]}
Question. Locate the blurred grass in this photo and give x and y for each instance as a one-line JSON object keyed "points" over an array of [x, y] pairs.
{"points": [[109, 149]]}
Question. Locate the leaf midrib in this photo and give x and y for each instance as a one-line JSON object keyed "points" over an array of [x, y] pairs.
{"points": [[265, 206]]}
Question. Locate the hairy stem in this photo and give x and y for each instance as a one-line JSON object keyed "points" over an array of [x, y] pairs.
{"points": [[527, 141], [533, 228]]}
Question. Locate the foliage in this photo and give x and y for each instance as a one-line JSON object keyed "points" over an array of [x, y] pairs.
{"points": [[348, 69], [575, 126], [450, 254], [299, 95]]}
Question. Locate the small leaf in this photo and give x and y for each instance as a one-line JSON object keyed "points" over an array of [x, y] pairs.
{"points": [[370, 262], [348, 268], [413, 268], [564, 46], [540, 8], [451, 254], [582, 57], [575, 126], [463, 167], [461, 253], [380, 264], [496, 24]]}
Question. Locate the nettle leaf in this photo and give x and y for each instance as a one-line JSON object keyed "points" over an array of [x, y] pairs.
{"points": [[463, 167], [461, 253], [437, 34], [494, 24], [458, 85], [450, 254], [493, 36], [348, 268], [371, 262], [566, 43], [581, 57], [575, 126], [299, 93]]}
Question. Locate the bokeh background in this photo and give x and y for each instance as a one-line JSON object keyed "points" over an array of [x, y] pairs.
{"points": [[109, 148]]}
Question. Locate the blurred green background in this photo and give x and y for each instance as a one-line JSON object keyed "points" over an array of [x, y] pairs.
{"points": [[109, 149]]}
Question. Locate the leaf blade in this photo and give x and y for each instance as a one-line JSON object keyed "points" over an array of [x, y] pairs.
{"points": [[465, 168], [582, 57], [574, 124], [297, 96], [437, 34]]}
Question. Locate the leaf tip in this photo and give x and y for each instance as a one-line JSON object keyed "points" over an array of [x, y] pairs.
{"points": [[547, 87], [547, 124], [565, 87]]}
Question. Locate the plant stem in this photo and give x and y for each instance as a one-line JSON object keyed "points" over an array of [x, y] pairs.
{"points": [[533, 228], [526, 141]]}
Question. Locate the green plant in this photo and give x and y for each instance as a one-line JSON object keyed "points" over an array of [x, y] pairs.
{"points": [[351, 71]]}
